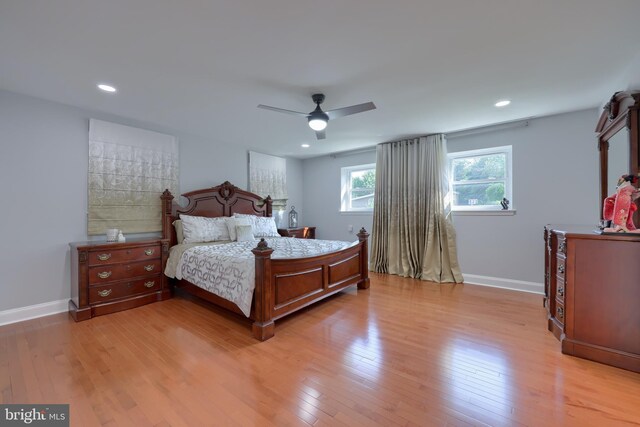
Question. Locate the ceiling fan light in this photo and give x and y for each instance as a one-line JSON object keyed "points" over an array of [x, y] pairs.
{"points": [[317, 124]]}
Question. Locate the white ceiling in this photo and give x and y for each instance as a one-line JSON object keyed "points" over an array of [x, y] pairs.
{"points": [[202, 66]]}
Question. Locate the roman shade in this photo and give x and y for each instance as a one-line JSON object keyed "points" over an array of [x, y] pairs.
{"points": [[268, 177], [129, 168]]}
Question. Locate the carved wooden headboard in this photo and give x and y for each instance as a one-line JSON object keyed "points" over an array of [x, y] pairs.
{"points": [[223, 200]]}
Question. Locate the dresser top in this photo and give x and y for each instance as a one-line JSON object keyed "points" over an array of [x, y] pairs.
{"points": [[131, 242], [589, 232]]}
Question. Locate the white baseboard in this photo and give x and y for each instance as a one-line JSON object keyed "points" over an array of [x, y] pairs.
{"points": [[498, 282], [45, 309], [31, 312]]}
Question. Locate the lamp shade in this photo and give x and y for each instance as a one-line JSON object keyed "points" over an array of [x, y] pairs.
{"points": [[318, 119], [317, 124]]}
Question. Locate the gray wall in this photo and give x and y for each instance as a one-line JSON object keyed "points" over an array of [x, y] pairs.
{"points": [[555, 180], [43, 168], [205, 163], [322, 197]]}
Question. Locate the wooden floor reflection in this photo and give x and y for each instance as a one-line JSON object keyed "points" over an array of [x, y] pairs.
{"points": [[404, 352]]}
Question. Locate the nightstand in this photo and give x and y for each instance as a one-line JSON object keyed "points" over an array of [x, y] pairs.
{"points": [[299, 232], [110, 277]]}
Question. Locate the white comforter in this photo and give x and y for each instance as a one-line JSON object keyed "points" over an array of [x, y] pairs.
{"points": [[228, 270]]}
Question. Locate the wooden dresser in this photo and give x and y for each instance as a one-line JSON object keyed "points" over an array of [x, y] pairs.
{"points": [[592, 294], [299, 232], [109, 277]]}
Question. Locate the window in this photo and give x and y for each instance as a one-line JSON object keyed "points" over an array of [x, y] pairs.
{"points": [[358, 188], [480, 179]]}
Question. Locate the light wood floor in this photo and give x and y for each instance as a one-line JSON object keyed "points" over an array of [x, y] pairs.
{"points": [[404, 352]]}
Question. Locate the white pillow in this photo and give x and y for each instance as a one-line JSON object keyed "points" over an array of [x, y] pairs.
{"points": [[232, 222], [178, 226], [263, 226], [244, 233], [202, 229]]}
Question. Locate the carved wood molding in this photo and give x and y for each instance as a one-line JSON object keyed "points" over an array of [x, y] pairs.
{"points": [[227, 190], [611, 107], [619, 105]]}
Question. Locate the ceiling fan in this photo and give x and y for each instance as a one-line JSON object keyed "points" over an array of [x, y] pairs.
{"points": [[318, 119]]}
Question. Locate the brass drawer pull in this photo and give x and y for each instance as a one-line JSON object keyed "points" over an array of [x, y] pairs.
{"points": [[149, 252], [104, 274], [561, 268], [104, 257], [562, 247], [561, 291], [105, 293], [149, 267], [149, 284]]}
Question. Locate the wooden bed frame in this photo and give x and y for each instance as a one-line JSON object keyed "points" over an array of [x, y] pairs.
{"points": [[283, 286]]}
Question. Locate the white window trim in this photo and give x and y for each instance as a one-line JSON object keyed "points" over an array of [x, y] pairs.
{"points": [[506, 149], [484, 212], [345, 192]]}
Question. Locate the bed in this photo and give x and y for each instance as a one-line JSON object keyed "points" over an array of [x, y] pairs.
{"points": [[282, 286]]}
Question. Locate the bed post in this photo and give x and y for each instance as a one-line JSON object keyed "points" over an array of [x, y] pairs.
{"points": [[363, 283], [263, 327], [167, 199]]}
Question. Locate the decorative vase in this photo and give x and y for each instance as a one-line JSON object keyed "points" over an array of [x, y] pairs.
{"points": [[112, 234]]}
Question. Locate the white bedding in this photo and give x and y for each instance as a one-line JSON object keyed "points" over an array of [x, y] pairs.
{"points": [[228, 270]]}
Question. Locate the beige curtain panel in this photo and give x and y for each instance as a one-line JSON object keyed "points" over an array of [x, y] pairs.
{"points": [[412, 232]]}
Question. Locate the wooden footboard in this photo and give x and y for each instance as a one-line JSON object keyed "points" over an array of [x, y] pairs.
{"points": [[284, 286]]}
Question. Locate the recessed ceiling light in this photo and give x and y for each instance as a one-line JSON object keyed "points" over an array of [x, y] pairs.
{"points": [[503, 103], [305, 146], [106, 88]]}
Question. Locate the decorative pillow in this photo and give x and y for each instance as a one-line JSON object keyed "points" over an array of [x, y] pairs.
{"points": [[262, 226], [177, 224], [244, 233], [265, 226], [232, 222], [202, 229]]}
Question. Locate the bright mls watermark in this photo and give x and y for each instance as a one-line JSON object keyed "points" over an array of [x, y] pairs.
{"points": [[34, 415]]}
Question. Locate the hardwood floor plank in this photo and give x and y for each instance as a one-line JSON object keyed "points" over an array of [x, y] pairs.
{"points": [[403, 353]]}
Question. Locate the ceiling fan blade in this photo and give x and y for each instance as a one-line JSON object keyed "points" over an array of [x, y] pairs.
{"points": [[282, 110], [320, 134], [346, 111]]}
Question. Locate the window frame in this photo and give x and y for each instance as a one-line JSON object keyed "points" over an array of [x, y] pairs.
{"points": [[345, 183], [508, 179]]}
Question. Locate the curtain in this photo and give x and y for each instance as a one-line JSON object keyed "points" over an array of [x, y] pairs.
{"points": [[412, 232], [129, 168]]}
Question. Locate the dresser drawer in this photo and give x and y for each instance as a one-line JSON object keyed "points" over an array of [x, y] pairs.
{"points": [[99, 275], [560, 289], [559, 315], [560, 268], [124, 255], [104, 293]]}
